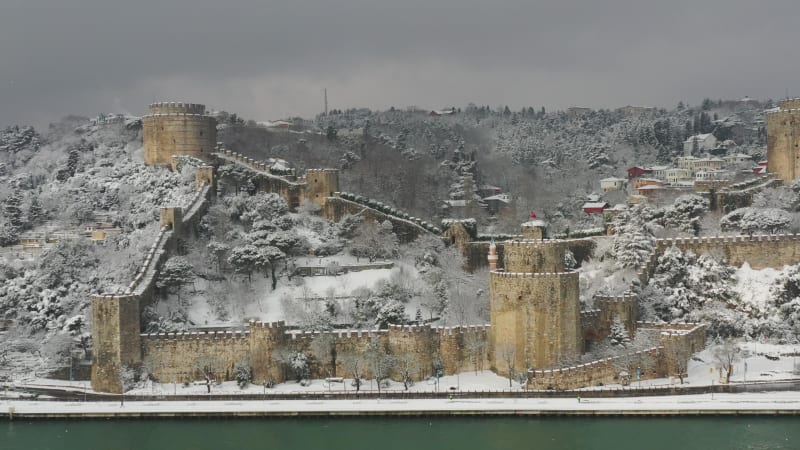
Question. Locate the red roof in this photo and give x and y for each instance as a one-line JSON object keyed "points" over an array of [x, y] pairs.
{"points": [[637, 171]]}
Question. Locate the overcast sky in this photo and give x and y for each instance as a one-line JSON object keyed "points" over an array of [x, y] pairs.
{"points": [[267, 59]]}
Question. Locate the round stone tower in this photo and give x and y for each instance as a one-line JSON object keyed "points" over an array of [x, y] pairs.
{"points": [[178, 129], [783, 140], [534, 308]]}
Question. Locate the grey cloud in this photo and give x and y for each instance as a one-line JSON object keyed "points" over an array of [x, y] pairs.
{"points": [[272, 59]]}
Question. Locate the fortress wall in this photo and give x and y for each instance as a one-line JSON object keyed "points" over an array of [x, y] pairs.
{"points": [[265, 338], [620, 307], [316, 186], [419, 344], [462, 348], [320, 184], [535, 316], [116, 316], [336, 207], [182, 357], [600, 372], [179, 357], [680, 345], [760, 251]]}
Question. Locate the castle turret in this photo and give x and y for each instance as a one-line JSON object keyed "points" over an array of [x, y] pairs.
{"points": [[534, 307], [321, 184], [783, 140], [178, 129]]}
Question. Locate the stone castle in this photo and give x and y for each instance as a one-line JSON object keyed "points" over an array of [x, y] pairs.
{"points": [[537, 326]]}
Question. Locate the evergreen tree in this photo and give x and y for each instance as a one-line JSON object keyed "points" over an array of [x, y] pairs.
{"points": [[12, 208], [36, 214], [618, 335], [71, 167]]}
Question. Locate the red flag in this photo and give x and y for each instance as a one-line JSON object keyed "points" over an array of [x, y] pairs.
{"points": [[533, 214]]}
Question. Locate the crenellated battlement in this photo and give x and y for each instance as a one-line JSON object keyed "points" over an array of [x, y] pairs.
{"points": [[410, 328], [713, 240], [672, 327], [760, 251], [452, 331], [627, 297], [542, 242], [297, 335], [177, 128], [177, 108], [503, 274], [790, 111], [273, 325], [195, 335]]}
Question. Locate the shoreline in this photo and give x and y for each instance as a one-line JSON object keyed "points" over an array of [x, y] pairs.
{"points": [[752, 404]]}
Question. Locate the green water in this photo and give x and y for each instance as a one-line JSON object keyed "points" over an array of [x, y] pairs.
{"points": [[706, 433]]}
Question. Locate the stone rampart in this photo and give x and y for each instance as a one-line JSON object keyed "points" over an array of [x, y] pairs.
{"points": [[185, 357], [622, 308], [182, 357], [115, 316], [600, 372], [406, 229], [760, 251]]}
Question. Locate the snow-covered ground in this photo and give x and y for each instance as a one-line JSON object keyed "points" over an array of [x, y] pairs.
{"points": [[753, 285], [466, 381], [691, 404], [703, 371], [269, 306]]}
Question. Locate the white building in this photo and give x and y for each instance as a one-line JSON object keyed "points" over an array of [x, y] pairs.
{"points": [[705, 175], [737, 159], [678, 175], [693, 164], [659, 172], [612, 184], [699, 142]]}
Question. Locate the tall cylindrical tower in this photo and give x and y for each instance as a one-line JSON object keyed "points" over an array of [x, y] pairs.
{"points": [[178, 129], [534, 308]]}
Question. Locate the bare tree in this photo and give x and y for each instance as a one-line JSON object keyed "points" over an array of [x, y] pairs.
{"points": [[475, 345], [208, 366], [380, 363], [508, 353], [408, 368], [726, 355], [354, 364]]}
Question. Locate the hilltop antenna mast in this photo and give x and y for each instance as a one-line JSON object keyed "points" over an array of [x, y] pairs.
{"points": [[325, 94]]}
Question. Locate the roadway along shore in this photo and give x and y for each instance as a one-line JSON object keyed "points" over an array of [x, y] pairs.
{"points": [[768, 403]]}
